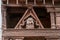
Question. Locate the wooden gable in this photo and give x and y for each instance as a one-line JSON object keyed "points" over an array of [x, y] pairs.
{"points": [[29, 12]]}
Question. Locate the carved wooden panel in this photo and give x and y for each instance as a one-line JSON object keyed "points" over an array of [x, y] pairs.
{"points": [[30, 20]]}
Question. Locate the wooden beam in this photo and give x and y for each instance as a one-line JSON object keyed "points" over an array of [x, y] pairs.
{"points": [[31, 32]]}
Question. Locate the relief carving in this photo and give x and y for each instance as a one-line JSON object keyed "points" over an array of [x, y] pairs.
{"points": [[29, 21]]}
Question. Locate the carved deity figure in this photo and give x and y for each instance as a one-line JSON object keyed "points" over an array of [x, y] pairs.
{"points": [[30, 23]]}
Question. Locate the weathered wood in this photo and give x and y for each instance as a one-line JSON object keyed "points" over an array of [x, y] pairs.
{"points": [[31, 32], [17, 33], [4, 17], [53, 25], [58, 20]]}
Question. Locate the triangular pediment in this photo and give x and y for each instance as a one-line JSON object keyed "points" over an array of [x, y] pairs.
{"points": [[30, 13]]}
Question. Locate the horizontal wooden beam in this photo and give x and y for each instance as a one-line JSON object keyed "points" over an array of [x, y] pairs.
{"points": [[31, 32]]}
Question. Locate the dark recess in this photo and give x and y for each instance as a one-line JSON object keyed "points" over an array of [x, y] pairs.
{"points": [[44, 16], [14, 14]]}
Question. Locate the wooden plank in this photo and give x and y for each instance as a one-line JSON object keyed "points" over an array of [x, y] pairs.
{"points": [[31, 32]]}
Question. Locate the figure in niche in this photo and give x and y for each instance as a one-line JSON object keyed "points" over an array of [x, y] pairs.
{"points": [[29, 23]]}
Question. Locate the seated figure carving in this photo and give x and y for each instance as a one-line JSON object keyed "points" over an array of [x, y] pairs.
{"points": [[29, 23]]}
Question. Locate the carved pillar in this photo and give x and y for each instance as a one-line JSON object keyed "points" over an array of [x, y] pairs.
{"points": [[4, 18], [58, 20], [52, 20]]}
